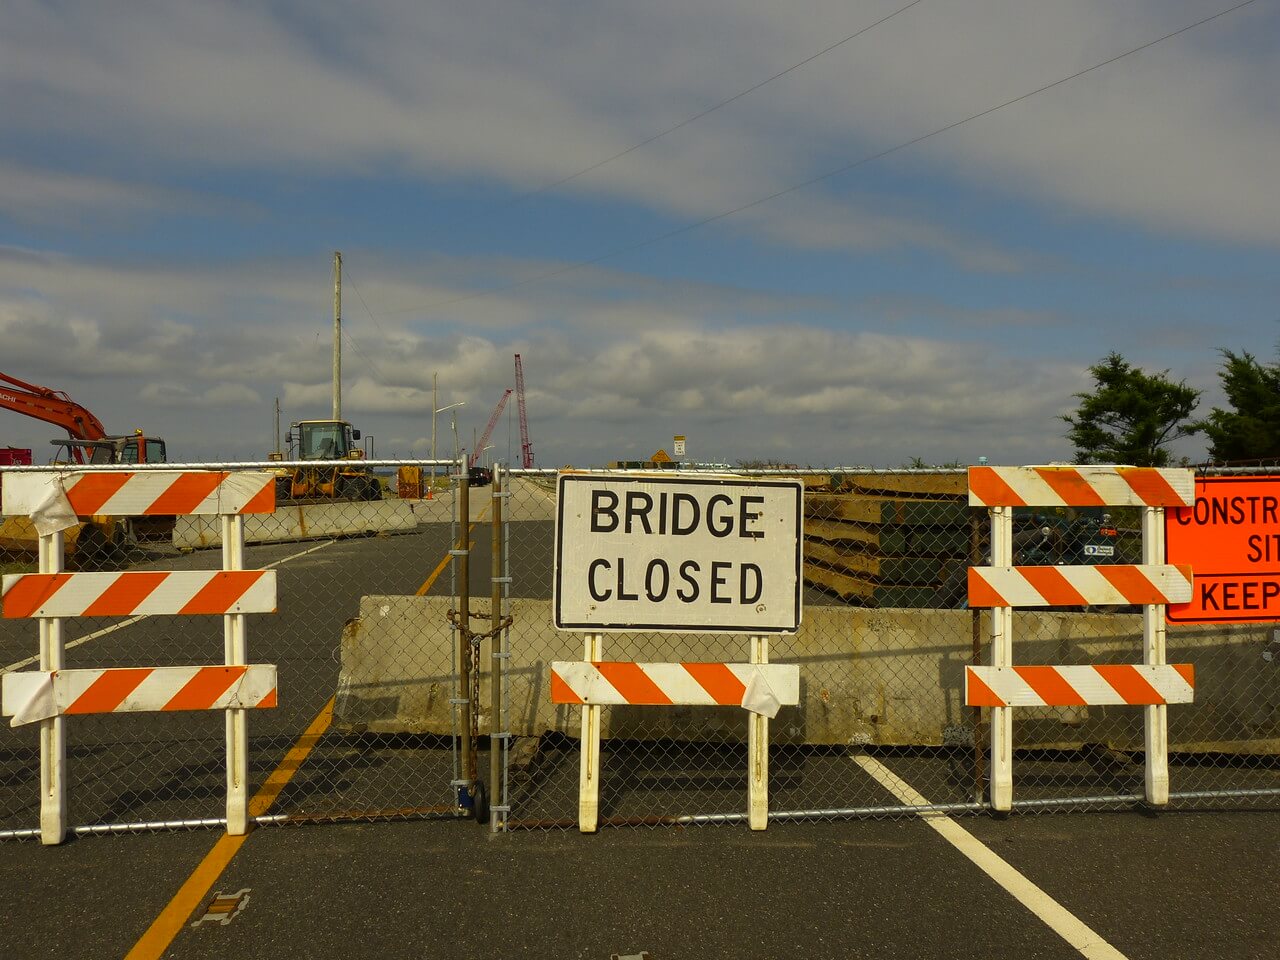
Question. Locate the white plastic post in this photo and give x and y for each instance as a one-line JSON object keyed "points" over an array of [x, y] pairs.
{"points": [[53, 732], [1155, 716], [589, 772], [235, 648], [758, 751], [1001, 656]]}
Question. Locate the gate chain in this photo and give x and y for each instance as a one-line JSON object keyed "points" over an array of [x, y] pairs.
{"points": [[474, 640]]}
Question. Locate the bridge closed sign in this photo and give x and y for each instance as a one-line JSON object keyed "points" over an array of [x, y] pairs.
{"points": [[677, 554], [1231, 539]]}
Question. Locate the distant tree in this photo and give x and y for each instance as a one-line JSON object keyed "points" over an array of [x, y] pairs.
{"points": [[1251, 429], [1131, 415]]}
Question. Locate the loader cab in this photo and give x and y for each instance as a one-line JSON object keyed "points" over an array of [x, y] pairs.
{"points": [[324, 440], [131, 449]]}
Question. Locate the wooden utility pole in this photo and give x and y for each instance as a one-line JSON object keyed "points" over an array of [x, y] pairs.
{"points": [[337, 335]]}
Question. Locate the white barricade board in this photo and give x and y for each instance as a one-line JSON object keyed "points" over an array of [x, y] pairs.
{"points": [[677, 554]]}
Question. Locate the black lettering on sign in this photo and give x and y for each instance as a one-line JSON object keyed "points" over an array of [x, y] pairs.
{"points": [[691, 522], [685, 568], [657, 595], [751, 571], [639, 504], [599, 596], [720, 526], [746, 516], [604, 511], [622, 573], [718, 579]]}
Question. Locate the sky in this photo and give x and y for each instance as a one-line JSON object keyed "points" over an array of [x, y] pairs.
{"points": [[793, 275]]}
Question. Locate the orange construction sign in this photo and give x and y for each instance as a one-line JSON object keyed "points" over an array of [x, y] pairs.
{"points": [[1231, 539]]}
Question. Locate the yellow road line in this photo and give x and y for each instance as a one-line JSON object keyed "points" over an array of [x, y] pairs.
{"points": [[160, 935], [426, 584]]}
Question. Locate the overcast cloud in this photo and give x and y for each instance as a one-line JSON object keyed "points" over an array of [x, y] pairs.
{"points": [[175, 176]]}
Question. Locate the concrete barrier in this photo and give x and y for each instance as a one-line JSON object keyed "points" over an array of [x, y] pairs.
{"points": [[888, 677], [313, 521]]}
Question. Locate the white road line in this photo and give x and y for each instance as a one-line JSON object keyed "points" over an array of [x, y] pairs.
{"points": [[1060, 920], [132, 620]]}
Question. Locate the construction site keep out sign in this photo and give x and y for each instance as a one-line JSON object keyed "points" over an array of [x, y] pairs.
{"points": [[680, 554], [1231, 539]]}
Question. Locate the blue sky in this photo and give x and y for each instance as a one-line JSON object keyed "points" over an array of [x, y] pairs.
{"points": [[174, 179]]}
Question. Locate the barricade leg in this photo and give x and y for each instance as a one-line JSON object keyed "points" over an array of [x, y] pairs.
{"points": [[236, 654], [53, 732], [1156, 716], [758, 751], [589, 770], [1001, 656]]}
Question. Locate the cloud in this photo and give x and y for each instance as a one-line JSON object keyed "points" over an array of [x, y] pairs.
{"points": [[1177, 137]]}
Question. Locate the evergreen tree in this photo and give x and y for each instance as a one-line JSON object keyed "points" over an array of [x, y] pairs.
{"points": [[1251, 429], [1131, 416]]}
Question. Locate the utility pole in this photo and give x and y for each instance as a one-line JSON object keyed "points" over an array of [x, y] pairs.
{"points": [[337, 335], [435, 406], [279, 452]]}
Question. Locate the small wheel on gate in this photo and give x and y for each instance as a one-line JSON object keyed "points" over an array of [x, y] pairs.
{"points": [[480, 802]]}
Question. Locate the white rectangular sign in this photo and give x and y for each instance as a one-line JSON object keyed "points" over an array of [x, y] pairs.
{"points": [[653, 552]]}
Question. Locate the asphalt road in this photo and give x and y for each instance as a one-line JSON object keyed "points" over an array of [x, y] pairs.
{"points": [[1140, 885]]}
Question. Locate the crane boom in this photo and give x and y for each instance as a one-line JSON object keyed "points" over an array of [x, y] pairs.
{"points": [[51, 406], [488, 430], [526, 448], [86, 432]]}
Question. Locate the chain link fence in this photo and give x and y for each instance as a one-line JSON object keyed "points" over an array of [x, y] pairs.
{"points": [[367, 679], [371, 713], [882, 649]]}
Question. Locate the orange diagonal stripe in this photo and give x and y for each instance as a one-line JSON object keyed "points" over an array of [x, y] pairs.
{"points": [[185, 493], [1151, 487], [561, 692], [981, 593], [991, 490], [1073, 488], [1131, 583], [632, 683], [1129, 683], [1050, 687], [1053, 586], [123, 596], [222, 590], [977, 693], [29, 593], [109, 690], [719, 681], [264, 501], [204, 688], [92, 490], [270, 700], [1187, 671]]}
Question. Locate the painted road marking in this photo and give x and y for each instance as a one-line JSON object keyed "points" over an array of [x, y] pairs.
{"points": [[160, 935], [1060, 920], [132, 620], [225, 907], [427, 584]]}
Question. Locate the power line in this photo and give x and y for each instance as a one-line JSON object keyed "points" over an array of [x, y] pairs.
{"points": [[844, 168], [698, 116]]}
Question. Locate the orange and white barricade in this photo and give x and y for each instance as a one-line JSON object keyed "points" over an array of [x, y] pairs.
{"points": [[48, 695], [759, 687], [1154, 684]]}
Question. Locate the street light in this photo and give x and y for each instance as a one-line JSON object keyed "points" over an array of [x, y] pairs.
{"points": [[434, 411]]}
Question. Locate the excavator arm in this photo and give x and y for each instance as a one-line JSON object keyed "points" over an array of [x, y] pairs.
{"points": [[51, 406]]}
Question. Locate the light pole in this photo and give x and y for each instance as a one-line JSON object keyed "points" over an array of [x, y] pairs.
{"points": [[434, 411]]}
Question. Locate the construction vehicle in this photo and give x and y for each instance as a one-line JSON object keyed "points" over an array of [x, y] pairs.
{"points": [[87, 442], [341, 475]]}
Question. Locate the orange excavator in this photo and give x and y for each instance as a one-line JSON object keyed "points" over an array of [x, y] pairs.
{"points": [[87, 439], [87, 442]]}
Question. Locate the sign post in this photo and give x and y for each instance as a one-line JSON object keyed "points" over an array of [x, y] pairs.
{"points": [[675, 554]]}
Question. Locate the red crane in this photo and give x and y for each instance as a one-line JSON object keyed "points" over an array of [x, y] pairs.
{"points": [[526, 448], [484, 439]]}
